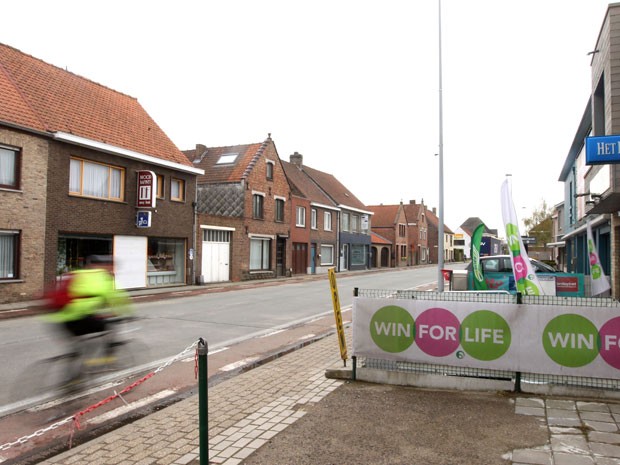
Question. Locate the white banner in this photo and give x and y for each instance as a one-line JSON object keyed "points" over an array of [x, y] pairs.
{"points": [[526, 280], [597, 275], [579, 341]]}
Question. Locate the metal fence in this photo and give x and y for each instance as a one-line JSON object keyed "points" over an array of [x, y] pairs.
{"points": [[517, 378]]}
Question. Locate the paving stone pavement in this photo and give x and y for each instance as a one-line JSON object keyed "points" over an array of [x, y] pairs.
{"points": [[244, 413], [251, 408]]}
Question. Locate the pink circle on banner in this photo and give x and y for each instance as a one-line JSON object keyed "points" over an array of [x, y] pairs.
{"points": [[437, 332], [610, 342], [520, 268], [592, 259]]}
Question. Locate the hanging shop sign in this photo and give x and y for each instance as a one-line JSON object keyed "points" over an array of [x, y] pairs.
{"points": [[147, 189]]}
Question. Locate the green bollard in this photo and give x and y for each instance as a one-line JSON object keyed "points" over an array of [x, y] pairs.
{"points": [[203, 401]]}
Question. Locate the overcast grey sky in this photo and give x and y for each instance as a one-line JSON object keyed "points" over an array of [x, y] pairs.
{"points": [[351, 84]]}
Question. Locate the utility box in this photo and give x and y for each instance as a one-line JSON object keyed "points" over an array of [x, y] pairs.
{"points": [[459, 280]]}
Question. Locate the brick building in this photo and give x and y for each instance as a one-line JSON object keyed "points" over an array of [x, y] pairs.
{"points": [[70, 153], [244, 213], [390, 222], [314, 229], [417, 235]]}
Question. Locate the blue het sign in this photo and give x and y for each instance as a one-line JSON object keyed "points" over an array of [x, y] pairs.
{"points": [[143, 219], [602, 150]]}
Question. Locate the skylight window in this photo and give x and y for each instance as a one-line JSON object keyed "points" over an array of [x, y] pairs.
{"points": [[227, 158]]}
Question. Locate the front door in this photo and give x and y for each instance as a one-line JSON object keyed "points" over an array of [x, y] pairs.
{"points": [[344, 257]]}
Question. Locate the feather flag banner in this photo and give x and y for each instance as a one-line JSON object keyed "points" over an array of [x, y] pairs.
{"points": [[479, 282], [597, 275], [526, 280]]}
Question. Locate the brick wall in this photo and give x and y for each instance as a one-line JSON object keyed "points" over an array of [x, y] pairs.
{"points": [[24, 210], [78, 215]]}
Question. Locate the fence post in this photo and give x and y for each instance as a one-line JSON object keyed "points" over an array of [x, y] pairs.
{"points": [[518, 373], [203, 401]]}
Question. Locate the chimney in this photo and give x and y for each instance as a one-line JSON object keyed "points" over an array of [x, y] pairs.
{"points": [[200, 152], [412, 202], [297, 159], [435, 211]]}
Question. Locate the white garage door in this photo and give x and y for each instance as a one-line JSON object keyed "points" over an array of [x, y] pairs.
{"points": [[215, 255]]}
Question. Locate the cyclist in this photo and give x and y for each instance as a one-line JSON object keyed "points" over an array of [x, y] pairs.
{"points": [[86, 299]]}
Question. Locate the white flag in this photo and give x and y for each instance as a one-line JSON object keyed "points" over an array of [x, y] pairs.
{"points": [[597, 275], [526, 280]]}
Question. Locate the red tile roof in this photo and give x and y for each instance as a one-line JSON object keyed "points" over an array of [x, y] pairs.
{"points": [[37, 95], [384, 215], [247, 156], [335, 189], [302, 183], [377, 239]]}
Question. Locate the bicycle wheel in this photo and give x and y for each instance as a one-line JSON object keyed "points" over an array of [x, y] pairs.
{"points": [[46, 379]]}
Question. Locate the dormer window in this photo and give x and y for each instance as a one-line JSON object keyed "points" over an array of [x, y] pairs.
{"points": [[227, 159]]}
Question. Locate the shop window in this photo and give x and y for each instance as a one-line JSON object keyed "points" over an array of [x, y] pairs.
{"points": [[358, 254], [259, 254], [9, 168], [166, 261], [9, 247], [177, 190], [98, 180]]}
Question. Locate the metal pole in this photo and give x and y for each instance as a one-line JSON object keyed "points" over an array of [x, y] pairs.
{"points": [[440, 238], [203, 401]]}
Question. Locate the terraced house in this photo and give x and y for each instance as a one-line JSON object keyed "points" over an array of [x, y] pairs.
{"points": [[84, 170], [244, 216]]}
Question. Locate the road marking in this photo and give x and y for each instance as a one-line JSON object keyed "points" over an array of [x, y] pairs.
{"points": [[239, 364], [130, 407], [307, 336], [272, 333]]}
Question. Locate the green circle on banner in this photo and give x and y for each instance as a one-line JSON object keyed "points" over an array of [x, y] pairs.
{"points": [[485, 335], [571, 340], [392, 328], [596, 271]]}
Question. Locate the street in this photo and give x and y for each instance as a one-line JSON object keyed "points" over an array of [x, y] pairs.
{"points": [[240, 326]]}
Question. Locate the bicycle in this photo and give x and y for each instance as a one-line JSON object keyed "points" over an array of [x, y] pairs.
{"points": [[91, 360]]}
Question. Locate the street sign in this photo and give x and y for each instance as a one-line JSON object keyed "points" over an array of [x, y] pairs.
{"points": [[143, 219], [602, 150]]}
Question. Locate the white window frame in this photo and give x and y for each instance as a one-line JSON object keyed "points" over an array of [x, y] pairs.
{"points": [[300, 217], [327, 255], [260, 253], [177, 190], [327, 221], [313, 220]]}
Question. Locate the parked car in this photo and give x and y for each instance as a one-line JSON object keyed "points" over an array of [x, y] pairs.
{"points": [[503, 264], [497, 270]]}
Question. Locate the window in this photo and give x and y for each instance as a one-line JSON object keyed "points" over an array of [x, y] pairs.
{"points": [[269, 170], [259, 253], [177, 190], [313, 218], [279, 210], [9, 245], [257, 206], [89, 179], [227, 159], [327, 221], [9, 168], [345, 221], [355, 223], [160, 187], [327, 255], [301, 217], [401, 230], [358, 254]]}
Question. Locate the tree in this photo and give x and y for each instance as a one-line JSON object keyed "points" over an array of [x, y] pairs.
{"points": [[540, 225]]}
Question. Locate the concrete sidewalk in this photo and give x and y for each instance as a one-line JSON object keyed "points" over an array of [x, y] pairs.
{"points": [[271, 415]]}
